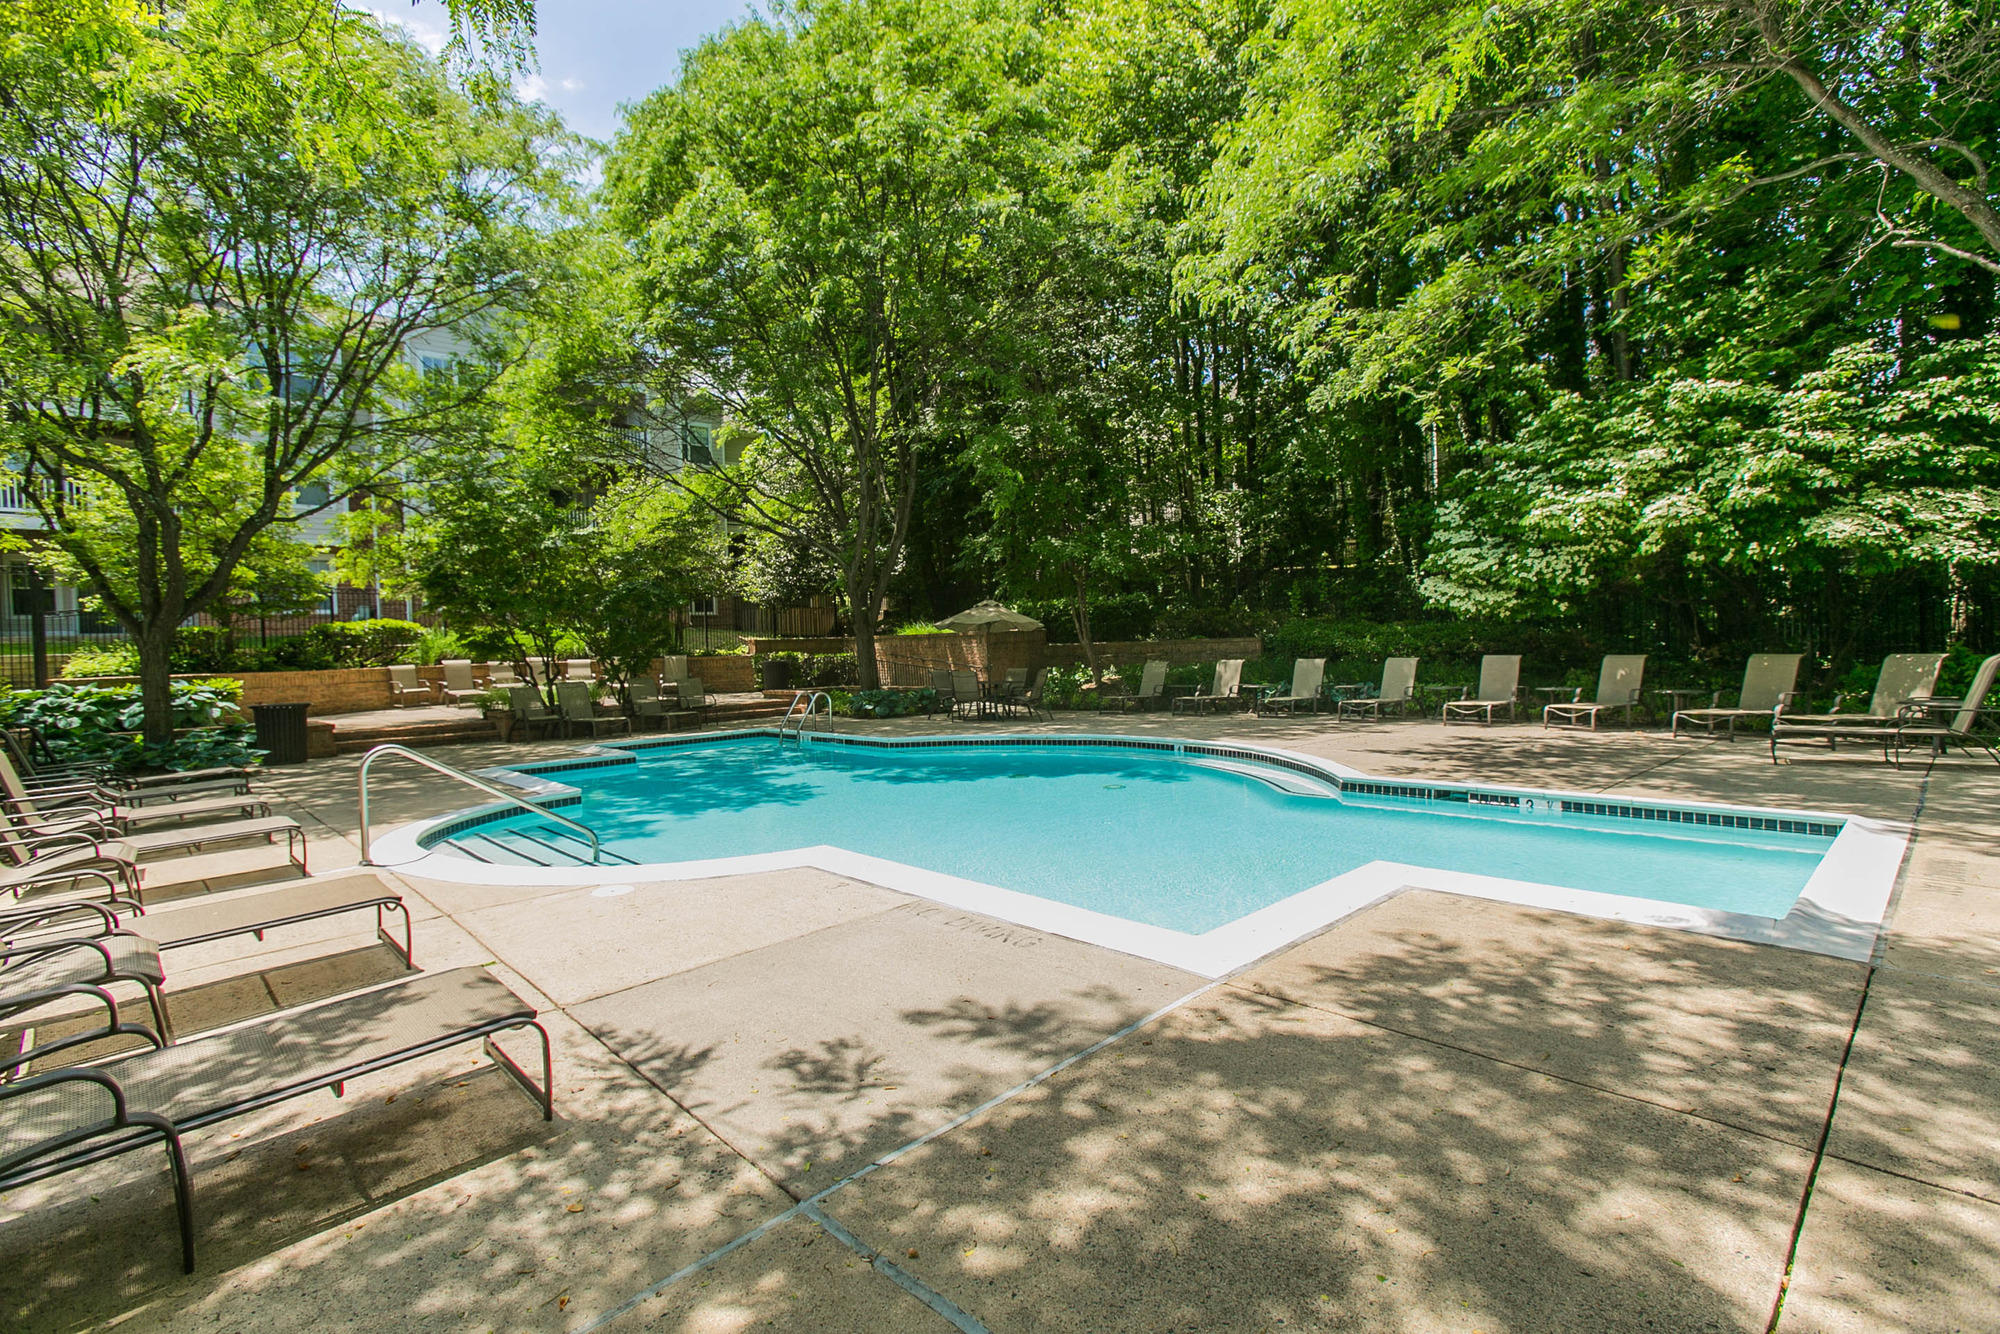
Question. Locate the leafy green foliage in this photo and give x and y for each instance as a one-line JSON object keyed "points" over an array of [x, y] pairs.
{"points": [[884, 703], [97, 724]]}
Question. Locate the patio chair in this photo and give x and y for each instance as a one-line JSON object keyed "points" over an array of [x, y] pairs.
{"points": [[1399, 687], [1768, 680], [65, 861], [501, 675], [42, 859], [38, 974], [573, 701], [530, 712], [460, 686], [941, 690], [1014, 689], [68, 1118], [1152, 684], [1499, 684], [1225, 690], [965, 691], [580, 669], [1035, 699], [1618, 682], [1308, 675], [1918, 724], [1905, 678], [406, 687]]}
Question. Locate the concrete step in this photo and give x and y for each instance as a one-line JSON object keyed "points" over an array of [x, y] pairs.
{"points": [[452, 732]]}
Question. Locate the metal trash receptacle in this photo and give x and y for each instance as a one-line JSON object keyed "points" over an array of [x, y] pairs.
{"points": [[281, 730]]}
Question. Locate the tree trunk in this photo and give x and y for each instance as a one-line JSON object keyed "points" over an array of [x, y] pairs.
{"points": [[156, 682], [861, 604], [1081, 614]]}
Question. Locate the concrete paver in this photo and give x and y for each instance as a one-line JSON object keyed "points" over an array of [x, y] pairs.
{"points": [[1883, 1253], [1745, 1035], [817, 1053], [1250, 1164], [794, 1277]]}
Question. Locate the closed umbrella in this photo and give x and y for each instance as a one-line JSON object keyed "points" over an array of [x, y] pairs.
{"points": [[989, 615]]}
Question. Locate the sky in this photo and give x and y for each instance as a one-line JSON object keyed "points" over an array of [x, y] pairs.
{"points": [[594, 54]]}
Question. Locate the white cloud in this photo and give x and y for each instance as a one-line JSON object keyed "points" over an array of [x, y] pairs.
{"points": [[573, 85], [428, 26], [532, 88]]}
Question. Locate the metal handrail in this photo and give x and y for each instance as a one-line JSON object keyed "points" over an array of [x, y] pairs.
{"points": [[808, 699], [470, 780]]}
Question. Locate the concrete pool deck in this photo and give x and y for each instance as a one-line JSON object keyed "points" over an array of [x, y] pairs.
{"points": [[1439, 1114]]}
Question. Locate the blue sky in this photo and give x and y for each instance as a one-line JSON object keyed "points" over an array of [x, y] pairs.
{"points": [[594, 54]]}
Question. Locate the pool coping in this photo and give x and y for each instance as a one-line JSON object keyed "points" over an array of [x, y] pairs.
{"points": [[1840, 912]]}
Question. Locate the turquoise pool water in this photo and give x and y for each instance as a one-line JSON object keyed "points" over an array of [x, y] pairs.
{"points": [[1146, 837]]}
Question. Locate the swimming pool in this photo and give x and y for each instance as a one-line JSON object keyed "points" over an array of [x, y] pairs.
{"points": [[1197, 851]]}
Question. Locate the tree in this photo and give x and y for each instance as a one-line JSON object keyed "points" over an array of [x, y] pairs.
{"points": [[214, 250], [835, 213]]}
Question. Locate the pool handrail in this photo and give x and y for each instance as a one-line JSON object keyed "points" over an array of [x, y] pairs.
{"points": [[470, 780], [808, 700]]}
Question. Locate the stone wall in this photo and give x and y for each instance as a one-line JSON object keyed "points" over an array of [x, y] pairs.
{"points": [[725, 673], [909, 660], [831, 644]]}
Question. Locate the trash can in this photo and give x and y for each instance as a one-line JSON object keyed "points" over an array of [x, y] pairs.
{"points": [[778, 674], [281, 730]]}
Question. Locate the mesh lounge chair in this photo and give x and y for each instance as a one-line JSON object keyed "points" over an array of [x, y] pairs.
{"points": [[132, 788], [35, 974], [1308, 674], [1499, 683], [647, 703], [1768, 680], [65, 1119], [1917, 724], [460, 686], [406, 687], [501, 676], [530, 712], [52, 812], [1226, 690], [574, 703], [1904, 679], [1399, 687], [1618, 682], [580, 669], [691, 696], [1152, 682], [42, 860]]}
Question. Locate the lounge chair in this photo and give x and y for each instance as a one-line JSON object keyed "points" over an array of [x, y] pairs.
{"points": [[1225, 691], [132, 788], [1399, 687], [1905, 678], [406, 687], [68, 1118], [40, 973], [1308, 675], [691, 696], [646, 701], [580, 669], [460, 686], [43, 859], [219, 916], [529, 710], [1152, 682], [1618, 682], [1499, 684], [501, 676], [53, 812], [1917, 724], [573, 701], [65, 861], [1768, 681]]}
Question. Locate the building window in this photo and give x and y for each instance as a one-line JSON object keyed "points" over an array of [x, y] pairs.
{"points": [[698, 444], [703, 606], [22, 595], [314, 494]]}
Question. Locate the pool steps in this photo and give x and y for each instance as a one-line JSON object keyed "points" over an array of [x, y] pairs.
{"points": [[531, 845]]}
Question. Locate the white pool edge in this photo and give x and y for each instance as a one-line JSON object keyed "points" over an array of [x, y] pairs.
{"points": [[1839, 913]]}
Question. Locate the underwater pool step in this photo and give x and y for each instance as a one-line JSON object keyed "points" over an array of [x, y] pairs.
{"points": [[531, 845]]}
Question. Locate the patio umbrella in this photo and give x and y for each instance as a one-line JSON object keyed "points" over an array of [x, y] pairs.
{"points": [[988, 615]]}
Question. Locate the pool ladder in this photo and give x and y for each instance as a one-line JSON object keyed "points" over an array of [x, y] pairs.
{"points": [[563, 837], [805, 706]]}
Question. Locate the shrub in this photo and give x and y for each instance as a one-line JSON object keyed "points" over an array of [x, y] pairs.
{"points": [[884, 703], [822, 671], [98, 724], [338, 644], [433, 646], [103, 660]]}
